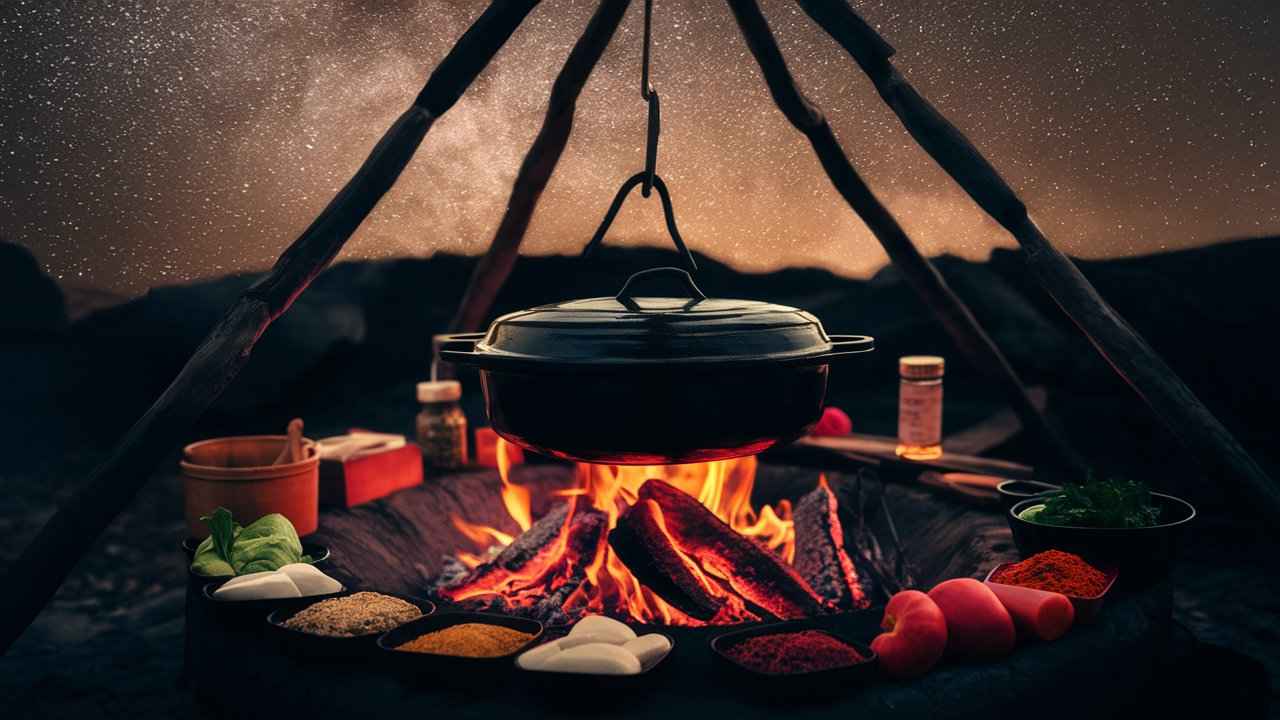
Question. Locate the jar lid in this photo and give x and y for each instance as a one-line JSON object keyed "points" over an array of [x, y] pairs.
{"points": [[439, 391], [921, 367]]}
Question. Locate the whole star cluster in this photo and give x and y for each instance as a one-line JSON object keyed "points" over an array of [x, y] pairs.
{"points": [[146, 142]]}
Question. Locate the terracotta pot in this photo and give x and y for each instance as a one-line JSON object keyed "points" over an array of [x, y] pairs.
{"points": [[236, 473]]}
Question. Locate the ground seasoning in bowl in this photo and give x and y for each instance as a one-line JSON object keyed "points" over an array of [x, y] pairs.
{"points": [[473, 640], [790, 653], [355, 615], [1054, 571]]}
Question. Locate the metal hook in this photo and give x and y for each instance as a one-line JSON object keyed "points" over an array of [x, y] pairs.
{"points": [[667, 210]]}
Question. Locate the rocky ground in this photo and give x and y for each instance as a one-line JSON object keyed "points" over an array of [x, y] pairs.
{"points": [[110, 642]]}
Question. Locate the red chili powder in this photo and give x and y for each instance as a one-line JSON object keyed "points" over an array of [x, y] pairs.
{"points": [[788, 653], [1055, 571]]}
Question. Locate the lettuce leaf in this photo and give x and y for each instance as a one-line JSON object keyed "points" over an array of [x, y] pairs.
{"points": [[268, 543]]}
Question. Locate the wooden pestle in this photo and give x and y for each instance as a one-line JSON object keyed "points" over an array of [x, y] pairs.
{"points": [[292, 450]]}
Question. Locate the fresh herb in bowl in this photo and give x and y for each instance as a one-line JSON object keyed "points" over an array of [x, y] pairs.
{"points": [[1109, 503], [268, 543]]}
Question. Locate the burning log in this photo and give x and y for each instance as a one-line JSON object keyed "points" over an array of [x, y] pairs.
{"points": [[538, 541], [756, 575], [820, 555], [643, 543], [540, 570]]}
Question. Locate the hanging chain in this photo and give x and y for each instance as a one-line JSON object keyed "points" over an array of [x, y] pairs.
{"points": [[648, 93]]}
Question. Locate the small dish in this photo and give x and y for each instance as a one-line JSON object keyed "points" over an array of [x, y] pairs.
{"points": [[815, 683], [251, 612], [577, 684], [1141, 555], [1086, 608], [310, 645], [1015, 491], [459, 670]]}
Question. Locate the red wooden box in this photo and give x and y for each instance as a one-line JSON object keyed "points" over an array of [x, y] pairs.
{"points": [[369, 476]]}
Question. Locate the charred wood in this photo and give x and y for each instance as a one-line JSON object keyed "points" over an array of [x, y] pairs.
{"points": [[820, 554], [760, 577], [643, 544], [538, 541]]}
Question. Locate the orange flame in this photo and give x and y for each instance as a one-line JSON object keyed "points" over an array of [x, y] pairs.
{"points": [[723, 486]]}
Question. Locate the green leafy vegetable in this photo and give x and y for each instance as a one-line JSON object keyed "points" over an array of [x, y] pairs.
{"points": [[1110, 503], [268, 543], [222, 531]]}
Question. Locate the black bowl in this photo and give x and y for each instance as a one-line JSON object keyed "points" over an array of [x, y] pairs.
{"points": [[1013, 492], [1141, 555], [451, 669], [311, 646], [816, 684]]}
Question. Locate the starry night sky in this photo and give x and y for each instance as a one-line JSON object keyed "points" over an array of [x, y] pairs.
{"points": [[149, 142]]}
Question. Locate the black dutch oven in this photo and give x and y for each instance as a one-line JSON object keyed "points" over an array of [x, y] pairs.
{"points": [[642, 380]]}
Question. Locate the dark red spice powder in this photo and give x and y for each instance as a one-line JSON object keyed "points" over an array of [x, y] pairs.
{"points": [[1055, 571], [790, 653]]}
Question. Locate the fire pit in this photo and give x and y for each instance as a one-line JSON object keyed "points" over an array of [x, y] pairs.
{"points": [[664, 545], [394, 544]]}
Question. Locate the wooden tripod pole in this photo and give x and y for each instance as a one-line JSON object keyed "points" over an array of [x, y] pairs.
{"points": [[964, 329], [493, 269], [34, 577], [1177, 407]]}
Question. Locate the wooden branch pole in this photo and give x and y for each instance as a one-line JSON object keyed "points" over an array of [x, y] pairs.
{"points": [[918, 271], [1218, 452], [492, 271], [46, 561]]}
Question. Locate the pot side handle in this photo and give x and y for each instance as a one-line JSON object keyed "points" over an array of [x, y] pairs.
{"points": [[843, 345], [454, 347]]}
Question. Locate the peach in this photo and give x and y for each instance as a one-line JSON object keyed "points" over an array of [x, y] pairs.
{"points": [[916, 637], [978, 626]]}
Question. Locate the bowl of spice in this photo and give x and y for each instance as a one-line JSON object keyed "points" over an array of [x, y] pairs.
{"points": [[1061, 572], [457, 643], [346, 625], [1112, 523], [794, 656]]}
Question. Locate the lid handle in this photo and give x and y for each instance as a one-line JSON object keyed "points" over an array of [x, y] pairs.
{"points": [[626, 295]]}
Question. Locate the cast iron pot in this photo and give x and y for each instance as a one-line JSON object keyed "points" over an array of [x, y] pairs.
{"points": [[643, 380]]}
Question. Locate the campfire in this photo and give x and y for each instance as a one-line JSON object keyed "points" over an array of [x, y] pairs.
{"points": [[665, 545]]}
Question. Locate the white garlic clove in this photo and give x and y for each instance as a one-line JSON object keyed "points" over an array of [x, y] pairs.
{"points": [[608, 629], [593, 659], [270, 586], [536, 658], [648, 649], [310, 580]]}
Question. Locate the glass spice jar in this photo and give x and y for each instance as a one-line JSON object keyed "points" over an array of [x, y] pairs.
{"points": [[920, 407], [441, 425]]}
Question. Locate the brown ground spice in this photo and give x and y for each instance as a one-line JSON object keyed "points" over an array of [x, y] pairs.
{"points": [[362, 613], [475, 640]]}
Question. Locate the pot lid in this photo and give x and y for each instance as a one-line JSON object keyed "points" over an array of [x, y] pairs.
{"points": [[639, 328]]}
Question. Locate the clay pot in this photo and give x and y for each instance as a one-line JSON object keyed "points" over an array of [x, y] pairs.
{"points": [[236, 473]]}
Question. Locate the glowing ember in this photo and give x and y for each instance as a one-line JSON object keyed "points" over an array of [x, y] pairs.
{"points": [[578, 570]]}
